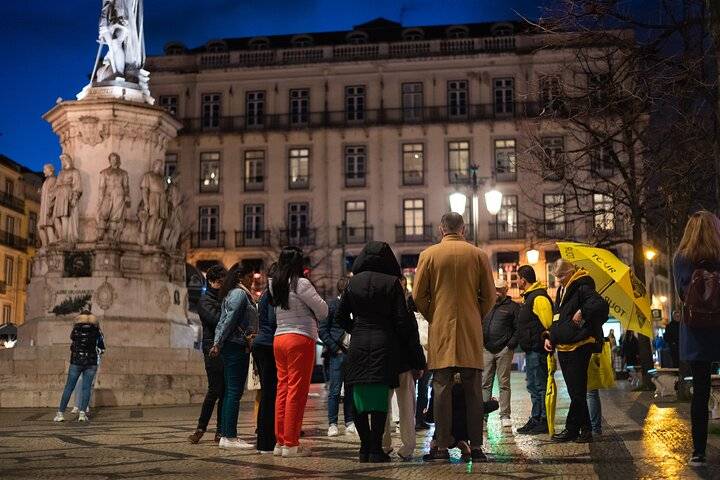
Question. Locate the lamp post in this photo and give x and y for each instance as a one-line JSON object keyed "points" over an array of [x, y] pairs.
{"points": [[493, 201]]}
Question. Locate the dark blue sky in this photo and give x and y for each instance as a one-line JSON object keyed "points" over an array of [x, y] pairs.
{"points": [[48, 47]]}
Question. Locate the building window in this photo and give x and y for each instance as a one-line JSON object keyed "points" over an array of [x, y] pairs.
{"points": [[554, 215], [413, 35], [169, 103], [459, 162], [355, 103], [209, 172], [255, 108], [457, 32], [355, 165], [299, 106], [299, 166], [355, 221], [507, 217], [550, 92], [254, 170], [10, 225], [457, 94], [599, 90], [553, 158], [357, 38], [259, 43], [209, 223], [603, 161], [412, 101], [254, 222], [603, 212], [413, 162], [505, 160], [9, 271], [413, 217], [504, 95], [9, 187], [216, 47], [7, 314], [171, 166], [211, 110], [32, 228], [298, 223], [302, 41]]}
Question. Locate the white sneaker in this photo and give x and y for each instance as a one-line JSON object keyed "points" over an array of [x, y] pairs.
{"points": [[75, 410], [333, 431], [350, 429], [299, 451], [82, 417], [235, 443], [59, 417], [506, 423], [266, 452], [278, 450]]}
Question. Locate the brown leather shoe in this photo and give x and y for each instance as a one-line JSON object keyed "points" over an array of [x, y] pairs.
{"points": [[196, 436]]}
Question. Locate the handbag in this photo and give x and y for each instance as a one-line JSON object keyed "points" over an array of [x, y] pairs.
{"points": [[253, 377], [600, 371]]}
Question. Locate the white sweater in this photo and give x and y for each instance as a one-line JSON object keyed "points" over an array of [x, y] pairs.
{"points": [[306, 308]]}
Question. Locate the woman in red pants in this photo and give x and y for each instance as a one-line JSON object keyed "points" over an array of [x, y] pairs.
{"points": [[297, 309]]}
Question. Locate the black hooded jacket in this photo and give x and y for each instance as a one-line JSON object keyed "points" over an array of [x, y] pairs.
{"points": [[86, 339], [384, 334], [580, 295]]}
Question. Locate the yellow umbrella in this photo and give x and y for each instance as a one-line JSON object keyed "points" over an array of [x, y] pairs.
{"points": [[628, 299], [551, 394]]}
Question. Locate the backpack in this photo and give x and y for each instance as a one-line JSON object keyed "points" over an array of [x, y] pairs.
{"points": [[701, 308]]}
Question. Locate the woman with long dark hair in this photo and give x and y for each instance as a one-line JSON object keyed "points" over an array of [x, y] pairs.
{"points": [[298, 307], [264, 359], [233, 338], [695, 265]]}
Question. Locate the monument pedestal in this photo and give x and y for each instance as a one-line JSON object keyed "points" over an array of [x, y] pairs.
{"points": [[137, 291]]}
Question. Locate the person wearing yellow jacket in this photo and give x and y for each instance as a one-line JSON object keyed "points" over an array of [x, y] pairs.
{"points": [[535, 317], [581, 312]]}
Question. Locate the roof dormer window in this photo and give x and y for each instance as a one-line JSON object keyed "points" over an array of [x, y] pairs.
{"points": [[259, 43], [357, 38], [174, 48], [216, 46], [458, 31], [413, 35], [502, 30], [301, 41]]}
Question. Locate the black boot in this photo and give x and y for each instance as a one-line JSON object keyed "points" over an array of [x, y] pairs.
{"points": [[565, 436], [585, 436]]}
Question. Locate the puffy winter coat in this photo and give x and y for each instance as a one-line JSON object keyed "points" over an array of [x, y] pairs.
{"points": [[209, 312], [384, 339], [500, 326], [86, 340]]}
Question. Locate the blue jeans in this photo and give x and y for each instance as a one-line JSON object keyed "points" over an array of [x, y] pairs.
{"points": [[336, 381], [78, 390], [595, 408], [235, 363], [536, 374], [88, 374]]}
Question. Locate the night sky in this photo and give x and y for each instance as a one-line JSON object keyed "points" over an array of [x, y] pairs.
{"points": [[48, 47]]}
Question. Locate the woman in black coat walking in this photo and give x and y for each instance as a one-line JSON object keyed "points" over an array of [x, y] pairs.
{"points": [[381, 328]]}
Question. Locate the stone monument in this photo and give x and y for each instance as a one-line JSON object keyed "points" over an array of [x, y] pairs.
{"points": [[109, 227]]}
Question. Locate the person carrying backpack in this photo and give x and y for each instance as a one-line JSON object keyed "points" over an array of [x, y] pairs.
{"points": [[696, 269]]}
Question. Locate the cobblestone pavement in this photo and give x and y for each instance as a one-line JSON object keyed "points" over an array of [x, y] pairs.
{"points": [[641, 440]]}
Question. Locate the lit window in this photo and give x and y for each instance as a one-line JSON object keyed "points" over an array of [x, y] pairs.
{"points": [[299, 167], [210, 172]]}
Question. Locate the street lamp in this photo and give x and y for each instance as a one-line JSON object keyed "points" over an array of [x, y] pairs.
{"points": [[493, 200], [650, 253], [458, 201], [533, 256]]}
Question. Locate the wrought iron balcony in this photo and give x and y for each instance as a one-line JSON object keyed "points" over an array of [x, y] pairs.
{"points": [[12, 202], [351, 234], [554, 230], [13, 241], [414, 233], [507, 231], [299, 237], [252, 238], [413, 177], [299, 182], [207, 239]]}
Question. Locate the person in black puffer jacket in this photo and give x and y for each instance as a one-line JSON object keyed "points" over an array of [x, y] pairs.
{"points": [[86, 338], [383, 344], [209, 311], [576, 334]]}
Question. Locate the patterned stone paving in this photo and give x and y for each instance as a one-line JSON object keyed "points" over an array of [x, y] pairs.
{"points": [[641, 440]]}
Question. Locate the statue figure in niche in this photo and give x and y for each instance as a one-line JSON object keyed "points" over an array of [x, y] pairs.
{"points": [[173, 228], [154, 209], [46, 228], [68, 191], [113, 201]]}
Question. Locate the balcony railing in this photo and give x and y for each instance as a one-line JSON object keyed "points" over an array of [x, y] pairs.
{"points": [[355, 179], [608, 228], [554, 230], [350, 234], [252, 238], [505, 176], [507, 231], [413, 177], [299, 237], [12, 202], [299, 182], [459, 176], [363, 118], [13, 241], [414, 233], [209, 239]]}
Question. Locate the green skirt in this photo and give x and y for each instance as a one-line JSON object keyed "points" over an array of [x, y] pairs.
{"points": [[371, 397]]}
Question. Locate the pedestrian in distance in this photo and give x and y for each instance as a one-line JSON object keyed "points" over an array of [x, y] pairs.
{"points": [[454, 292], [77, 393], [630, 348], [696, 269], [209, 313], [336, 341], [384, 343], [500, 331], [264, 359], [535, 317], [298, 308], [574, 334], [234, 334], [86, 340]]}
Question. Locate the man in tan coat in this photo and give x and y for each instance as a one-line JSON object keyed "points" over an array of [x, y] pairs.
{"points": [[454, 291]]}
